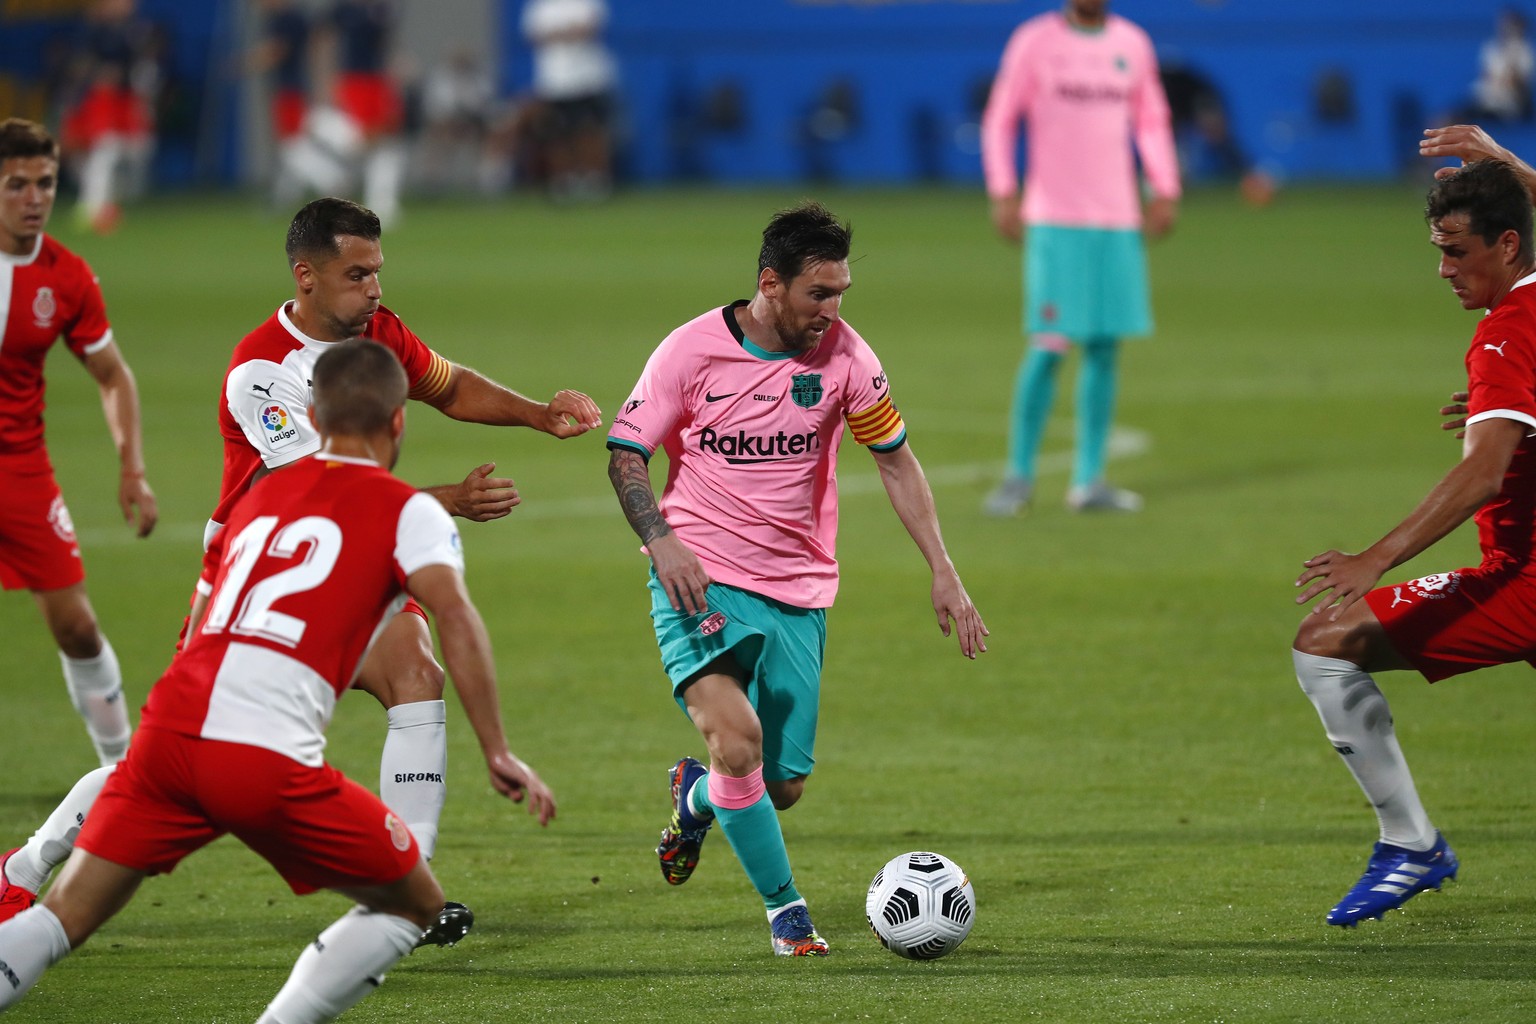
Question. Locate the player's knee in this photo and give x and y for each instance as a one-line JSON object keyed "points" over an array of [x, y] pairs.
{"points": [[785, 793], [77, 635], [737, 751], [401, 669], [414, 679], [1317, 636], [408, 675], [1348, 639]]}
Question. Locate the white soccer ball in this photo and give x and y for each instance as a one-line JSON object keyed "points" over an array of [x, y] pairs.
{"points": [[920, 905]]}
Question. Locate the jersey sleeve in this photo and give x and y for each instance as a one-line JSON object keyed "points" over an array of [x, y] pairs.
{"points": [[1501, 378], [657, 404], [872, 416], [425, 535], [271, 406], [1007, 103], [427, 371], [213, 555], [89, 332], [1153, 124]]}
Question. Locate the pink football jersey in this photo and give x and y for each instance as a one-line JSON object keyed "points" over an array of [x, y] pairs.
{"points": [[1085, 95], [751, 439]]}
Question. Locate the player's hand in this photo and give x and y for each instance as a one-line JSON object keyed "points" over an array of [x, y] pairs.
{"points": [[482, 497], [137, 500], [1465, 142], [682, 576], [570, 414], [952, 603], [1005, 217], [518, 782], [1349, 577], [1160, 216], [1457, 408]]}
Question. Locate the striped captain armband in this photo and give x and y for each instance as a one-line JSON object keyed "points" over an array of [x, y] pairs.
{"points": [[432, 383], [879, 427]]}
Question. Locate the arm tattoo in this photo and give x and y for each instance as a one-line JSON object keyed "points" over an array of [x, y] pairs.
{"points": [[632, 482]]}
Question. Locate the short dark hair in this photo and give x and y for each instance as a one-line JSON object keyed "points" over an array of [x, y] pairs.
{"points": [[801, 236], [1492, 195], [358, 385], [22, 138], [315, 228]]}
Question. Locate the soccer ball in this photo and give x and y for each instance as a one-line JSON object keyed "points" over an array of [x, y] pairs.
{"points": [[920, 905]]}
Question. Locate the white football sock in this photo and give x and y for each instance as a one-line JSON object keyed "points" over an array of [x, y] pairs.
{"points": [[413, 767], [383, 176], [30, 943], [705, 812], [1358, 723], [30, 866], [340, 967], [96, 689], [98, 175]]}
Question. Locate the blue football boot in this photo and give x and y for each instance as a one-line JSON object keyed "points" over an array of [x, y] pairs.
{"points": [[1393, 876]]}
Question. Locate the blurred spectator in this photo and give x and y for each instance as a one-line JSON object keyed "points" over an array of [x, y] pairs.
{"points": [[282, 55], [1203, 132], [1502, 91], [833, 118], [113, 75], [574, 77], [458, 110], [357, 37]]}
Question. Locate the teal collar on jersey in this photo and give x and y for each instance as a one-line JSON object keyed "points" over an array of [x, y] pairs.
{"points": [[729, 312]]}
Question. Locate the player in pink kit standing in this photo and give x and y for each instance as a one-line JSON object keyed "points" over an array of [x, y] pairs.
{"points": [[1446, 623], [1086, 83], [749, 402], [313, 563], [47, 292]]}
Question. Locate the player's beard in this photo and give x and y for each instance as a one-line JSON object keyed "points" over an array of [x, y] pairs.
{"points": [[796, 337]]}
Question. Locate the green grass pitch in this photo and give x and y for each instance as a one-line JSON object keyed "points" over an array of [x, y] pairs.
{"points": [[1146, 805]]}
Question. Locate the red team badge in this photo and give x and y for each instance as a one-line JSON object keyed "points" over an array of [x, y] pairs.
{"points": [[1436, 585], [58, 518], [398, 833], [44, 307]]}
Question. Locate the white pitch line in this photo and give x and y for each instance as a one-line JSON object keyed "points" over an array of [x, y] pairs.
{"points": [[1124, 443]]}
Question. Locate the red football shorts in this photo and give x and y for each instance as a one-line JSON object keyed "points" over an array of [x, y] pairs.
{"points": [[1453, 622], [371, 100], [106, 110], [288, 106], [174, 794], [38, 549]]}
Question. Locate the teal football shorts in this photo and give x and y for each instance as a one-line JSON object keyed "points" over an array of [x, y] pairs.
{"points": [[780, 650], [1085, 283]]}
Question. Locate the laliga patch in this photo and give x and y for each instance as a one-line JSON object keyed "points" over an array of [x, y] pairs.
{"points": [[398, 833], [277, 425], [1436, 586], [712, 624]]}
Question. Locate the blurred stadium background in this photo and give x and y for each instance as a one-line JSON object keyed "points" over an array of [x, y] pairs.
{"points": [[850, 90]]}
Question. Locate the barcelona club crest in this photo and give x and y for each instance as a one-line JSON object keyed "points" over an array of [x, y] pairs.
{"points": [[805, 389]]}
